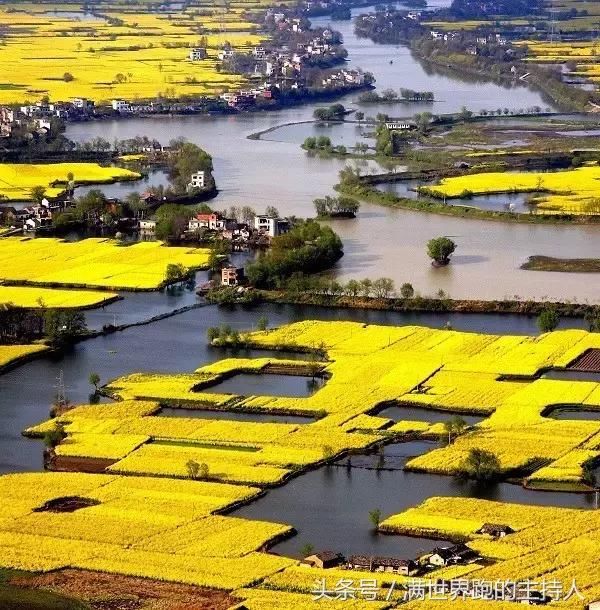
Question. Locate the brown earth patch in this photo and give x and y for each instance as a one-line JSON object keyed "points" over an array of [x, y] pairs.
{"points": [[67, 463], [115, 592]]}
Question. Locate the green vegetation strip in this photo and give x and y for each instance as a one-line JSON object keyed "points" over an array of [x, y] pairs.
{"points": [[431, 206], [567, 265]]}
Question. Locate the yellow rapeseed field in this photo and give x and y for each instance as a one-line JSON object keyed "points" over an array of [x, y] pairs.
{"points": [[548, 543], [148, 527], [96, 263], [164, 524], [446, 370], [12, 353], [22, 296], [17, 179], [136, 55], [574, 191]]}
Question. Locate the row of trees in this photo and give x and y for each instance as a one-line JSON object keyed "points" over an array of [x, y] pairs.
{"points": [[56, 326], [391, 96]]}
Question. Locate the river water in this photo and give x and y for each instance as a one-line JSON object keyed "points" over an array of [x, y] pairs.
{"points": [[382, 241]]}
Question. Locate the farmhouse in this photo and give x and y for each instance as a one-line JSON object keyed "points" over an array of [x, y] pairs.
{"points": [[121, 106], [232, 276], [369, 563], [198, 180], [213, 221], [452, 555], [323, 560], [197, 54], [147, 226], [399, 125], [495, 530], [271, 226]]}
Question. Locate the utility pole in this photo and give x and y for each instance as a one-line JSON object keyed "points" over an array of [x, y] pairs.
{"points": [[61, 392]]}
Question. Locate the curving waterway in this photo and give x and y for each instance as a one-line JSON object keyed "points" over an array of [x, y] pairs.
{"points": [[329, 505], [382, 241]]}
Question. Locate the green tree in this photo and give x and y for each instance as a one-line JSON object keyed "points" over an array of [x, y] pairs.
{"points": [[407, 291], [171, 221], [375, 517], [548, 320], [62, 326], [366, 287], [212, 333], [38, 193], [383, 287], [454, 427], [440, 249], [55, 436], [481, 465], [307, 549], [175, 272], [94, 380], [592, 319], [193, 469], [263, 323]]}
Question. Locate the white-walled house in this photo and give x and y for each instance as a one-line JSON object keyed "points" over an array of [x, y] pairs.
{"points": [[198, 180], [198, 54], [271, 226], [121, 106]]}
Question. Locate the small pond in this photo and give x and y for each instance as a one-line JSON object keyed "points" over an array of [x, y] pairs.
{"points": [[409, 413], [572, 375], [496, 202], [574, 412], [268, 384]]}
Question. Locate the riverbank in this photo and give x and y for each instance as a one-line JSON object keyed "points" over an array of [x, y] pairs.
{"points": [[526, 308], [433, 206]]}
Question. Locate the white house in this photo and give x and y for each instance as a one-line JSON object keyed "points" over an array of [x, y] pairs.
{"points": [[271, 226], [121, 106], [459, 554], [225, 54], [398, 126], [43, 124], [197, 54], [83, 103], [147, 225], [198, 180]]}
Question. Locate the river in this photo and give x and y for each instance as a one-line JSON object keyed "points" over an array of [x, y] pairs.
{"points": [[382, 241], [329, 505]]}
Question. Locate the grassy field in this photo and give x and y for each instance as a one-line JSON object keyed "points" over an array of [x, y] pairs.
{"points": [[17, 180], [95, 263]]}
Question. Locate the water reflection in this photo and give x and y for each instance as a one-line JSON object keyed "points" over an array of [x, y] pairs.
{"points": [[329, 507]]}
